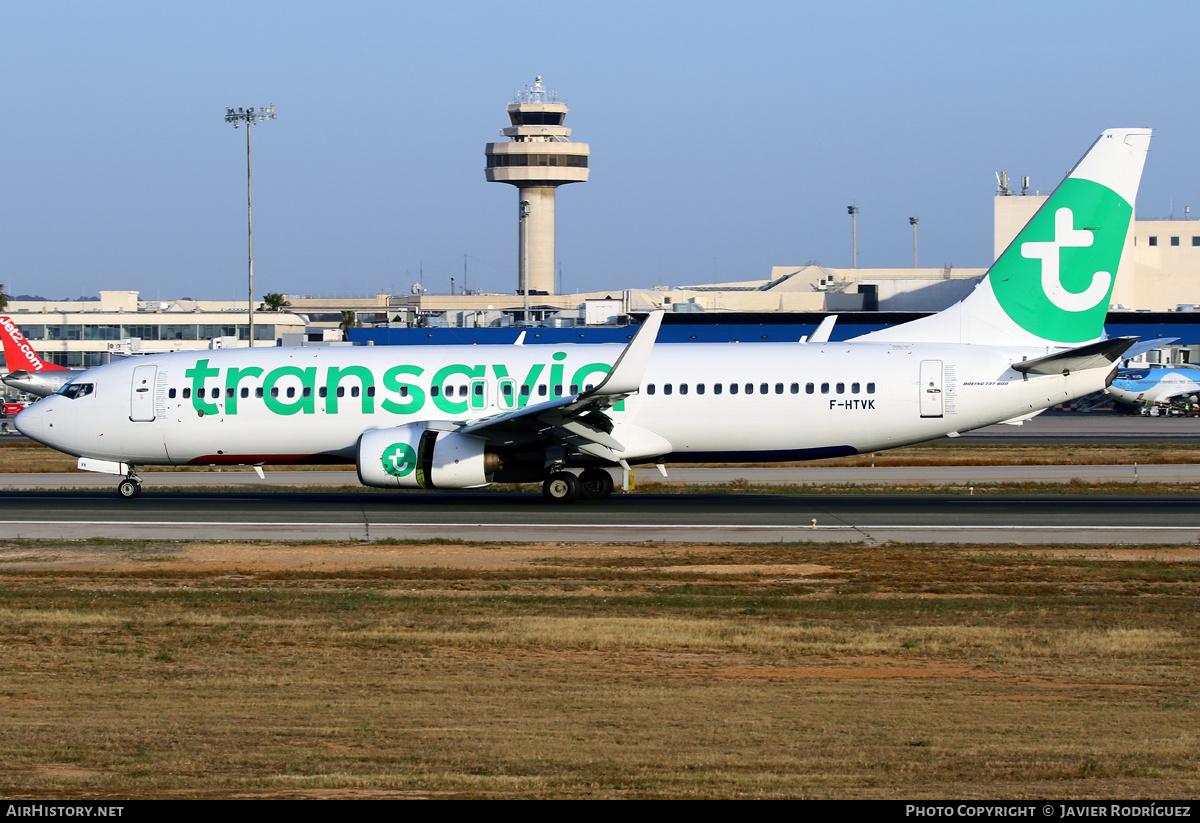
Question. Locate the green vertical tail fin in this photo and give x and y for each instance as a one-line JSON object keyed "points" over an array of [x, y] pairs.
{"points": [[1052, 285]]}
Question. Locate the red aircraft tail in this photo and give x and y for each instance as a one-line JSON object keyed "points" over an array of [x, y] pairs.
{"points": [[18, 353]]}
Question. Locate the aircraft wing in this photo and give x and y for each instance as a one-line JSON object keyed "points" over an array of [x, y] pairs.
{"points": [[580, 418]]}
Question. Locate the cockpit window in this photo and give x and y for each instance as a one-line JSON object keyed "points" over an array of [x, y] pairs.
{"points": [[75, 390]]}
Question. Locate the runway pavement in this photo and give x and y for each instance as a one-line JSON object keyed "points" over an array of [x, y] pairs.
{"points": [[1091, 427], [483, 515], [236, 504], [676, 476]]}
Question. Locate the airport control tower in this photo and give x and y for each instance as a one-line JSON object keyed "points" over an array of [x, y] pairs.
{"points": [[538, 158]]}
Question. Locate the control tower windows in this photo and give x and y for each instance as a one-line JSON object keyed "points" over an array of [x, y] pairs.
{"points": [[537, 118], [567, 160]]}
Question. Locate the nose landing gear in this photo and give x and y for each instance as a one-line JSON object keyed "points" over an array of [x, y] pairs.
{"points": [[130, 487]]}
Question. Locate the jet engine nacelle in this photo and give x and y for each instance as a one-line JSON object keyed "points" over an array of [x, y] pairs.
{"points": [[413, 457]]}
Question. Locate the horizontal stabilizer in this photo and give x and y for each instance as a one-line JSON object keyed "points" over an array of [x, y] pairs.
{"points": [[1092, 356], [1143, 346]]}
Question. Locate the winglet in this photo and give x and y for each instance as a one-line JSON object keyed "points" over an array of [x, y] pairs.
{"points": [[821, 335], [626, 374]]}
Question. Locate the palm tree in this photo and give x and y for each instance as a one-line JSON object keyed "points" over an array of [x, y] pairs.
{"points": [[349, 321], [3, 298], [274, 302]]}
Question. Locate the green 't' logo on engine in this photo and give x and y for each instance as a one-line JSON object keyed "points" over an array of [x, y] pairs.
{"points": [[1056, 278], [399, 459]]}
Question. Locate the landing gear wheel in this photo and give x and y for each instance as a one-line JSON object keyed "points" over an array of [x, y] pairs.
{"points": [[562, 487], [129, 488], [597, 484]]}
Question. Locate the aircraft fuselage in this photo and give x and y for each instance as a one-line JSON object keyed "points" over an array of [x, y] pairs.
{"points": [[697, 402]]}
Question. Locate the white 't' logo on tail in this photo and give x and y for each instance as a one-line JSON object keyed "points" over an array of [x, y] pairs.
{"points": [[1066, 236]]}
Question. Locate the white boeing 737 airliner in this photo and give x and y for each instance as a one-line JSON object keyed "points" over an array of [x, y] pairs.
{"points": [[451, 417]]}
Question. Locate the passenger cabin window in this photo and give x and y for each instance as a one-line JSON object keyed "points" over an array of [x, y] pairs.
{"points": [[542, 391], [841, 388], [667, 388], [870, 388], [749, 388], [187, 393], [699, 388], [854, 387], [683, 388], [779, 388], [795, 388], [650, 388], [824, 388], [171, 393], [733, 388], [809, 388], [717, 387]]}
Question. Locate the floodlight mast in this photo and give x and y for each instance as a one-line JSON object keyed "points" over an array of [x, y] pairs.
{"points": [[913, 221], [853, 212], [251, 117]]}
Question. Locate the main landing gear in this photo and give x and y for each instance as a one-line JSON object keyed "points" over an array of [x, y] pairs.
{"points": [[565, 487], [130, 487]]}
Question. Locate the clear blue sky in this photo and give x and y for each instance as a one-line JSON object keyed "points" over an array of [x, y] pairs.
{"points": [[726, 137]]}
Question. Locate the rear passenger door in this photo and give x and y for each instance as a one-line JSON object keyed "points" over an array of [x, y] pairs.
{"points": [[931, 388]]}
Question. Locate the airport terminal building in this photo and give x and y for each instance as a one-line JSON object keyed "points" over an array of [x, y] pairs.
{"points": [[83, 334]]}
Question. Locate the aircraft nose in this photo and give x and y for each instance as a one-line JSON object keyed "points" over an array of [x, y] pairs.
{"points": [[31, 422]]}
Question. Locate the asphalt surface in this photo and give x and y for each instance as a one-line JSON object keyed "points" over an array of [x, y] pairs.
{"points": [[483, 515], [281, 507], [240, 478], [1092, 427]]}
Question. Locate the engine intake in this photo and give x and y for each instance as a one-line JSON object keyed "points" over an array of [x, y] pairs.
{"points": [[413, 457]]}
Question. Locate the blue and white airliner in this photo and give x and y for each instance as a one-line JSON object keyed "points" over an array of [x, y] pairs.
{"points": [[1154, 389]]}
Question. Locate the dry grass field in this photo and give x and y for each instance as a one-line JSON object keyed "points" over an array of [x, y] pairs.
{"points": [[474, 670]]}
